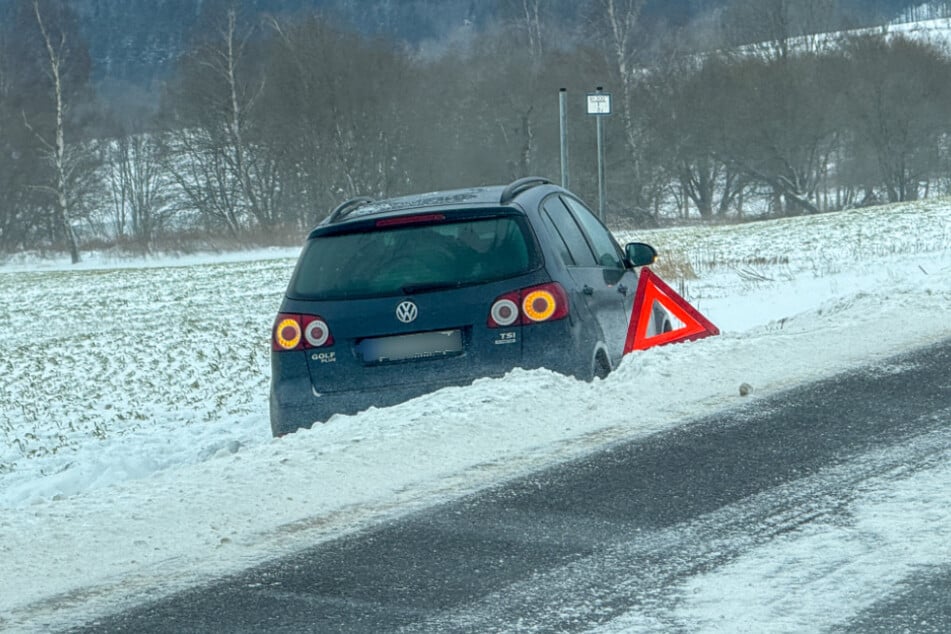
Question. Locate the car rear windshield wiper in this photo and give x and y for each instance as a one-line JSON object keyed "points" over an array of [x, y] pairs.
{"points": [[411, 289]]}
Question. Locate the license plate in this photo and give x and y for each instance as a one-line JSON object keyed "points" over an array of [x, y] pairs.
{"points": [[421, 345]]}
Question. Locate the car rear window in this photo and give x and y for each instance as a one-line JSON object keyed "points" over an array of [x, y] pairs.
{"points": [[414, 258]]}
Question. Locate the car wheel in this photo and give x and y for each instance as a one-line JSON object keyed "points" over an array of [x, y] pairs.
{"points": [[667, 327], [602, 367]]}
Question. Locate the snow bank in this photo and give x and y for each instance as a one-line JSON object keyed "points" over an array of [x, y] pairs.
{"points": [[185, 484]]}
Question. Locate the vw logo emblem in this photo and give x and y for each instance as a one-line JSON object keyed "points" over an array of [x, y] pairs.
{"points": [[407, 312]]}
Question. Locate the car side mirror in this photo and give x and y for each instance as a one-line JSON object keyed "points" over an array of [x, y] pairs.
{"points": [[639, 254]]}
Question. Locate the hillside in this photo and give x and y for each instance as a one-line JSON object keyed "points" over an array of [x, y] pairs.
{"points": [[138, 40]]}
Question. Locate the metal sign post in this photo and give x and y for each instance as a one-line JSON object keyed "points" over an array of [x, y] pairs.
{"points": [[599, 106], [563, 109]]}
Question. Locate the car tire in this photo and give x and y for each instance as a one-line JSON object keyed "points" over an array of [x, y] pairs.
{"points": [[602, 367]]}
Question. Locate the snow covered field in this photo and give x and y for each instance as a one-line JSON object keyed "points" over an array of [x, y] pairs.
{"points": [[135, 450]]}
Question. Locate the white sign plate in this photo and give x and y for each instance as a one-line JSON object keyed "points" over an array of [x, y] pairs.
{"points": [[599, 103]]}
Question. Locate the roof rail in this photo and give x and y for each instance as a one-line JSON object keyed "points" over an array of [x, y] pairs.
{"points": [[347, 207], [517, 187]]}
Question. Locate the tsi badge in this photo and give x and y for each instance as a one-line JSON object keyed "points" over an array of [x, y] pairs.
{"points": [[324, 357], [506, 337]]}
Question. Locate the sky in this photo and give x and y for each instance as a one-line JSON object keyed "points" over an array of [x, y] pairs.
{"points": [[137, 459]]}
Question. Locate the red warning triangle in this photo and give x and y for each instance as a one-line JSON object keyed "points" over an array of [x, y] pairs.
{"points": [[650, 289]]}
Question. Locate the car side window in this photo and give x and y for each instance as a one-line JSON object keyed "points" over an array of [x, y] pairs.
{"points": [[606, 249], [571, 234], [559, 241]]}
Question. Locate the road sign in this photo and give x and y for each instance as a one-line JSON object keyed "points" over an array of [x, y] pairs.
{"points": [[599, 103], [651, 289]]}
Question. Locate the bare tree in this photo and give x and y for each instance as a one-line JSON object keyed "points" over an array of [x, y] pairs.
{"points": [[686, 113], [8, 224], [779, 28], [252, 177], [618, 21], [527, 18], [898, 94], [214, 153], [626, 46], [139, 187], [206, 182], [338, 109], [48, 164], [786, 129], [63, 158]]}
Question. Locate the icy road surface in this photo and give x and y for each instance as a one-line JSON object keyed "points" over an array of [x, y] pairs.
{"points": [[820, 507]]}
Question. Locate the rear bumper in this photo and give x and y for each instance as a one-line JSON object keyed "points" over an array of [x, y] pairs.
{"points": [[295, 402], [290, 412]]}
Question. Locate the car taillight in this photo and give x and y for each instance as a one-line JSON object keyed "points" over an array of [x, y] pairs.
{"points": [[532, 305], [297, 332], [316, 332], [287, 333], [504, 311]]}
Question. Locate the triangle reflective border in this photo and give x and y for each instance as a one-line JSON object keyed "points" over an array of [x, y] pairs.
{"points": [[651, 289]]}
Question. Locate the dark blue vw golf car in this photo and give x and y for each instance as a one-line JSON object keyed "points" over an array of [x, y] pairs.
{"points": [[395, 298]]}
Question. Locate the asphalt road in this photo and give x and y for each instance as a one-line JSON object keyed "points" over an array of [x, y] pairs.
{"points": [[612, 540]]}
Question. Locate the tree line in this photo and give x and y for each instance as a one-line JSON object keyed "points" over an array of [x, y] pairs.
{"points": [[268, 121]]}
